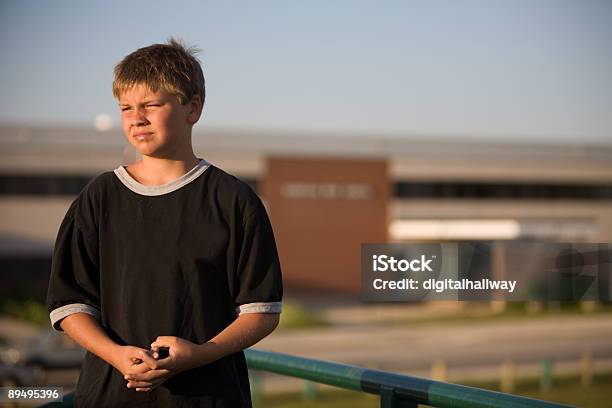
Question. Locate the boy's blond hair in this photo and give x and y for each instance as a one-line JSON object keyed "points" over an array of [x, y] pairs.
{"points": [[172, 67]]}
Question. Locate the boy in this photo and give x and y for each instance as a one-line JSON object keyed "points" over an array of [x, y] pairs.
{"points": [[168, 252]]}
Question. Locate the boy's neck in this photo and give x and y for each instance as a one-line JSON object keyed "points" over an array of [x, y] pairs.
{"points": [[157, 171]]}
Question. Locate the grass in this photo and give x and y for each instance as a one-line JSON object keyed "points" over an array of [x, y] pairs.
{"points": [[514, 310], [29, 310], [294, 316], [566, 390], [323, 399]]}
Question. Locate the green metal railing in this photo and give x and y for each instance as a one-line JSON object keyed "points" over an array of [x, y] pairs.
{"points": [[395, 390]]}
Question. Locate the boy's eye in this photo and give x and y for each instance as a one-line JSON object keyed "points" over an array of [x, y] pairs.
{"points": [[124, 109]]}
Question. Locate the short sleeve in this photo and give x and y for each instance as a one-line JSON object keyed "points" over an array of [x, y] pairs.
{"points": [[74, 283], [258, 279]]}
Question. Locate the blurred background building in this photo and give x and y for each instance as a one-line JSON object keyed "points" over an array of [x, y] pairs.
{"points": [[326, 194]]}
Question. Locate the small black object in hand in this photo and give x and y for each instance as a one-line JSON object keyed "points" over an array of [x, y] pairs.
{"points": [[163, 352]]}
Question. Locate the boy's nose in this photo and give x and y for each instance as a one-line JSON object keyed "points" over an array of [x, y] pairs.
{"points": [[139, 118]]}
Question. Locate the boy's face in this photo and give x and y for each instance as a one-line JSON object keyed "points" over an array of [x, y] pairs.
{"points": [[155, 123]]}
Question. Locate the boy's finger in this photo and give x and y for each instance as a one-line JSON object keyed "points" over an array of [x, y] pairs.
{"points": [[134, 352], [163, 364], [150, 375], [154, 364], [155, 375], [138, 369], [139, 384], [163, 341], [149, 360], [154, 351], [130, 377]]}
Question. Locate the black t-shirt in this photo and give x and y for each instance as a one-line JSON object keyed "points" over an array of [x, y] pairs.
{"points": [[182, 259]]}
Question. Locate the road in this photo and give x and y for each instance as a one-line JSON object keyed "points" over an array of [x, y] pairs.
{"points": [[470, 349]]}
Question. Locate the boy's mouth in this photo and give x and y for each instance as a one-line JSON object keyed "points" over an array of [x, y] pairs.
{"points": [[142, 135]]}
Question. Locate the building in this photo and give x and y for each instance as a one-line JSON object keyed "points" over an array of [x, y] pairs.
{"points": [[326, 194]]}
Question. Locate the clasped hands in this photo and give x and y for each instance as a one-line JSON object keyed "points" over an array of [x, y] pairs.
{"points": [[144, 370]]}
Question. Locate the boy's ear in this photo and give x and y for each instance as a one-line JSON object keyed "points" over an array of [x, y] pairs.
{"points": [[195, 110]]}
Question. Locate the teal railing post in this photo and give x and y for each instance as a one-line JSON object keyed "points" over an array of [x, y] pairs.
{"points": [[255, 380], [388, 399], [310, 391], [546, 375]]}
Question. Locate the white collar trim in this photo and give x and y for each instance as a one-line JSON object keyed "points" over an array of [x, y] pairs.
{"points": [[174, 185]]}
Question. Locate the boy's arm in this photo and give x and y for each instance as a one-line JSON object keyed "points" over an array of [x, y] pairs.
{"points": [[87, 332], [246, 330]]}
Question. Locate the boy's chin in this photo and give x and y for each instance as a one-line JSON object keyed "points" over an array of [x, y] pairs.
{"points": [[145, 150], [154, 150]]}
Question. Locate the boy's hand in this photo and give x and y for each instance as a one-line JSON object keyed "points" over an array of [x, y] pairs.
{"points": [[143, 378], [182, 356], [127, 358]]}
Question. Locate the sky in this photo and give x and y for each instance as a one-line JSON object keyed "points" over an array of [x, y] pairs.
{"points": [[500, 70]]}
